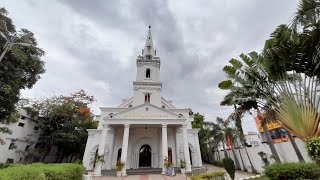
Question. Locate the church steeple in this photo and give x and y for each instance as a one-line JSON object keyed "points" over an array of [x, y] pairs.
{"points": [[148, 50], [147, 87]]}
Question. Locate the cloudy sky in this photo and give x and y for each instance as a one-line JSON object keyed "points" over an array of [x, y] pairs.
{"points": [[93, 45]]}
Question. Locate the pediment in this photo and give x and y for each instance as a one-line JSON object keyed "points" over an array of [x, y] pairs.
{"points": [[146, 111]]}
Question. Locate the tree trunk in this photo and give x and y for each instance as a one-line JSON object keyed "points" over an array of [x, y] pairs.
{"points": [[235, 158], [244, 166], [295, 147], [61, 155], [270, 142], [224, 150], [70, 160], [219, 158], [252, 167]]}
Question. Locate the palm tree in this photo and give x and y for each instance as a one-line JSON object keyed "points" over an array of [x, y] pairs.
{"points": [[236, 117], [229, 134], [297, 107], [308, 12], [248, 86]]}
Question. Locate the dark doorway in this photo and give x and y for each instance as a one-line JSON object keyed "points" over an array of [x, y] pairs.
{"points": [[170, 154], [145, 156], [190, 156], [119, 154]]}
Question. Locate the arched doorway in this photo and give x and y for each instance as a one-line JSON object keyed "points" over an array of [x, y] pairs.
{"points": [[119, 154], [145, 156], [170, 154], [190, 154]]}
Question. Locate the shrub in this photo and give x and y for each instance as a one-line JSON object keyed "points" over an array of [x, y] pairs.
{"points": [[218, 175], [40, 171], [293, 171], [313, 148], [229, 166], [264, 158], [2, 166]]}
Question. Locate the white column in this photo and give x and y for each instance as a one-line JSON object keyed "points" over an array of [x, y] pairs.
{"points": [[177, 148], [108, 162], [199, 160], [164, 146], [87, 153], [124, 152], [186, 148], [102, 145]]}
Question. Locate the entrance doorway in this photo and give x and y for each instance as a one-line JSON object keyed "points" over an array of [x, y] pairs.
{"points": [[145, 156], [190, 154]]}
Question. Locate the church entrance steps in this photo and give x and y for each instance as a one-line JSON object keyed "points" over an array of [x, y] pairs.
{"points": [[142, 171]]}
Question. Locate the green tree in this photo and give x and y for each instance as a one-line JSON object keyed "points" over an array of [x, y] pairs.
{"points": [[64, 121], [236, 116], [20, 68], [293, 46], [248, 84]]}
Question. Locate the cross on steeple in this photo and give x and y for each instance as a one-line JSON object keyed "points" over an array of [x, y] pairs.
{"points": [[148, 48]]}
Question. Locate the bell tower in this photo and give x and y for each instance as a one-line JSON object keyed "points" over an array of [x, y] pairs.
{"points": [[147, 87]]}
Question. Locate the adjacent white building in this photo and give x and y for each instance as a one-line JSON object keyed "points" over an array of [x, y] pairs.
{"points": [[25, 134], [146, 128]]}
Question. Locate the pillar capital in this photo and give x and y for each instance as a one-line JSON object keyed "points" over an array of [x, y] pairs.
{"points": [[164, 125], [184, 125], [127, 125]]}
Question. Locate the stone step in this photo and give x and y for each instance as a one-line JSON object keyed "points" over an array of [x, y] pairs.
{"points": [[142, 171]]}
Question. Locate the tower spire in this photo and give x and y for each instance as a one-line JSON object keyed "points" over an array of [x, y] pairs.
{"points": [[148, 48]]}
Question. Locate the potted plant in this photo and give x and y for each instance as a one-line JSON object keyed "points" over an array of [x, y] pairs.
{"points": [[119, 168], [168, 165], [183, 166]]}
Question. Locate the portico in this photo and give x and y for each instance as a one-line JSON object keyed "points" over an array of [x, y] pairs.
{"points": [[144, 129]]}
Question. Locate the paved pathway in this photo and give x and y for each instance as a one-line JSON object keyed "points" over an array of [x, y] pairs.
{"points": [[211, 168], [144, 177], [238, 175]]}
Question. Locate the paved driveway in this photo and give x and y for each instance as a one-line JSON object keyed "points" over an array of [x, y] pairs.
{"points": [[144, 177], [211, 168]]}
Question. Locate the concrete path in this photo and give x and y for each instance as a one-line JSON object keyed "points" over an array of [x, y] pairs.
{"points": [[238, 175], [210, 168], [144, 177]]}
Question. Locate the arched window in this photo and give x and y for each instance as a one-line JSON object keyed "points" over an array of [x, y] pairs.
{"points": [[148, 73], [163, 107], [130, 105], [147, 98]]}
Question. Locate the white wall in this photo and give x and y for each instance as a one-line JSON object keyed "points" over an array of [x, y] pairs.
{"points": [[284, 149]]}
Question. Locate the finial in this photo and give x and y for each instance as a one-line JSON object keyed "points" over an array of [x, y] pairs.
{"points": [[149, 27]]}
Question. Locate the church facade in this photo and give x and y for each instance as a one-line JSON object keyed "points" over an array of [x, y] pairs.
{"points": [[144, 129]]}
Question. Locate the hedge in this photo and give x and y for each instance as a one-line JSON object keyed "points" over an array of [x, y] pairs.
{"points": [[40, 171], [285, 171], [218, 175]]}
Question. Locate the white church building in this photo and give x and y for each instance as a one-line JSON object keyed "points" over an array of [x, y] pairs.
{"points": [[144, 129]]}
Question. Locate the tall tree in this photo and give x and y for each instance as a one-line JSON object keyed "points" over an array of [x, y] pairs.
{"points": [[248, 84], [20, 68], [64, 121], [236, 116]]}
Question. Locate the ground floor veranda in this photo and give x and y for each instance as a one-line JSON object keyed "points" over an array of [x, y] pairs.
{"points": [[141, 145]]}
